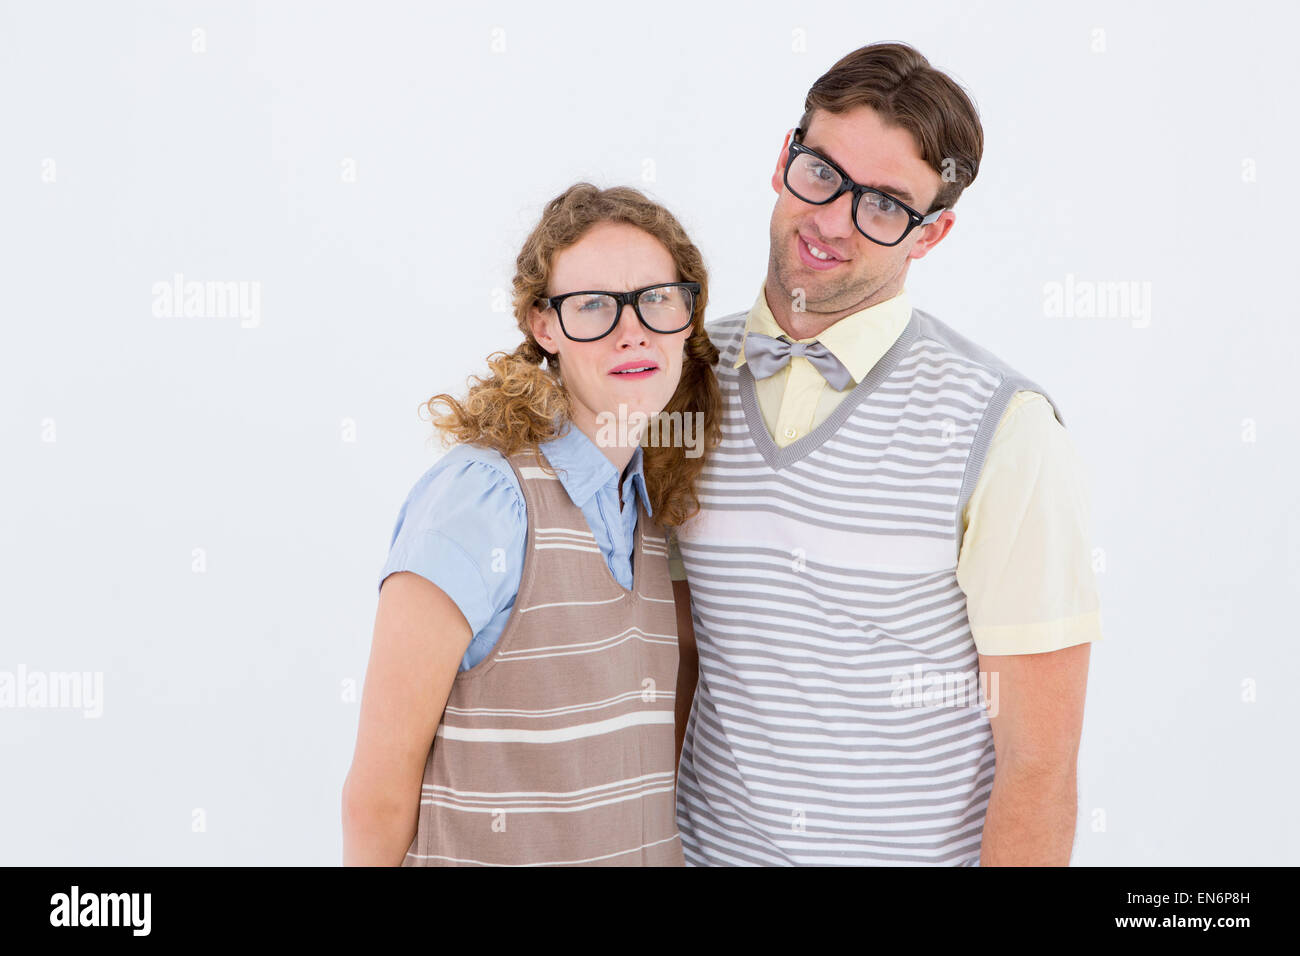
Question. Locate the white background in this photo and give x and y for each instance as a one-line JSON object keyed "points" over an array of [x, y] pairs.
{"points": [[225, 691]]}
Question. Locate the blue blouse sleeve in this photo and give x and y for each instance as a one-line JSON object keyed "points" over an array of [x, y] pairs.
{"points": [[464, 527]]}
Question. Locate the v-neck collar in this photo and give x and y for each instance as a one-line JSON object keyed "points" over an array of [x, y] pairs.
{"points": [[778, 458], [638, 535]]}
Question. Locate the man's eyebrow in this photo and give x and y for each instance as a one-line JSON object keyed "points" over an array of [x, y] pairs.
{"points": [[898, 192]]}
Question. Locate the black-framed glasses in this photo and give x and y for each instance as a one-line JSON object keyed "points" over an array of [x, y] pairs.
{"points": [[593, 313], [884, 219]]}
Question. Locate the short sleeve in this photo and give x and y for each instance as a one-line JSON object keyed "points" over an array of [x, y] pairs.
{"points": [[464, 527], [1026, 557], [676, 570]]}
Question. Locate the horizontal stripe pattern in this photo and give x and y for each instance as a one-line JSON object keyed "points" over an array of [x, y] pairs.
{"points": [[823, 582], [573, 801], [608, 858]]}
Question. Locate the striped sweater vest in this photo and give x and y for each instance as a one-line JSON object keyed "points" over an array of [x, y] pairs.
{"points": [[558, 747], [839, 715]]}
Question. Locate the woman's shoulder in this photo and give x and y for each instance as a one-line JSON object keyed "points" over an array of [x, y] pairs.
{"points": [[467, 480], [480, 463], [463, 514]]}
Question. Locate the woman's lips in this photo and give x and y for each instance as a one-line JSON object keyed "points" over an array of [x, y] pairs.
{"points": [[646, 374]]}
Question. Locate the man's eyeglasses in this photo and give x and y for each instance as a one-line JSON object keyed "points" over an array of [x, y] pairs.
{"points": [[590, 315], [880, 217]]}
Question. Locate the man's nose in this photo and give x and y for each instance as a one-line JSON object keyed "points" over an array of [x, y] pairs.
{"points": [[835, 219]]}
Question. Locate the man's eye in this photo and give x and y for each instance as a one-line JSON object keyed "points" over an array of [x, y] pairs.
{"points": [[883, 203], [823, 172]]}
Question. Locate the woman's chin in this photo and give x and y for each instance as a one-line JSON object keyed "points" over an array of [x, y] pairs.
{"points": [[628, 402], [622, 419]]}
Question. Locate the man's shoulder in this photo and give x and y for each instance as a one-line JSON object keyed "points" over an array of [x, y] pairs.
{"points": [[932, 329], [725, 334], [1005, 378]]}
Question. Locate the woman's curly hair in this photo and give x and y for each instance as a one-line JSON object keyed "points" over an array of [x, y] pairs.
{"points": [[522, 402]]}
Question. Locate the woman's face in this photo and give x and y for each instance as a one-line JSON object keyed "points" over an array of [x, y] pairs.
{"points": [[613, 257]]}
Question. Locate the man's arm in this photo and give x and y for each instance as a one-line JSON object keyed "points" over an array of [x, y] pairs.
{"points": [[1036, 713], [1031, 596]]}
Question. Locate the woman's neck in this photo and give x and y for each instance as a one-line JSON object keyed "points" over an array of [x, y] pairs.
{"points": [[619, 455]]}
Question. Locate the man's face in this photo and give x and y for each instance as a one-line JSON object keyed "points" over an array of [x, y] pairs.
{"points": [[859, 272]]}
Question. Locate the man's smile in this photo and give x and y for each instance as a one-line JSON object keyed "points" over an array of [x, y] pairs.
{"points": [[815, 255]]}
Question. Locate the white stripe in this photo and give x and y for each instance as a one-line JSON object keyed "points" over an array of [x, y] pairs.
{"points": [[553, 711], [529, 656], [508, 808], [590, 859], [538, 607], [560, 803], [848, 548], [512, 794], [564, 547], [532, 471], [603, 644], [572, 531], [571, 538], [510, 735]]}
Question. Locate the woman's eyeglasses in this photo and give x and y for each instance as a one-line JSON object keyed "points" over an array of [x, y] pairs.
{"points": [[592, 314]]}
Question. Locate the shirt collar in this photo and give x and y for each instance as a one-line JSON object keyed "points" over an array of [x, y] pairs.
{"points": [[583, 468], [859, 340]]}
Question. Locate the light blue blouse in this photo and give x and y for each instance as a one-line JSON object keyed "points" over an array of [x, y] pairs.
{"points": [[464, 526]]}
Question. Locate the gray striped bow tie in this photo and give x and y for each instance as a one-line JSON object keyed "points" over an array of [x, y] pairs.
{"points": [[766, 356]]}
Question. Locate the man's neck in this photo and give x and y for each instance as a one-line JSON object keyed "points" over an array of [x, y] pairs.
{"points": [[807, 325]]}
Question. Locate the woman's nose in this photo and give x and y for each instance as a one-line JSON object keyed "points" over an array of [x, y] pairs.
{"points": [[630, 330]]}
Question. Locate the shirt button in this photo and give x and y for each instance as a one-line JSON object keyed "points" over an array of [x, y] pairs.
{"points": [[790, 433]]}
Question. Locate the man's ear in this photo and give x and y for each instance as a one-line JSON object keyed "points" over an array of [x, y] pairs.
{"points": [[778, 177], [932, 234]]}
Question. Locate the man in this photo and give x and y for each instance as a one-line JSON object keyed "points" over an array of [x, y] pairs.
{"points": [[890, 585]]}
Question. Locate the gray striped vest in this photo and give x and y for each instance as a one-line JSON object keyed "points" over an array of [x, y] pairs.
{"points": [[558, 747], [838, 717]]}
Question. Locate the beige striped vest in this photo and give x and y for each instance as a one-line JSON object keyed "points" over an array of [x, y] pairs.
{"points": [[558, 748]]}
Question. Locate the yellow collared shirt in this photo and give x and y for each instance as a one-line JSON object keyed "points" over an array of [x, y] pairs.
{"points": [[1026, 559]]}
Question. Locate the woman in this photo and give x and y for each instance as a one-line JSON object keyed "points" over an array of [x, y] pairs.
{"points": [[518, 704]]}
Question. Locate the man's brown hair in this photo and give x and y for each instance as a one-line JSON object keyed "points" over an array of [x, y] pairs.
{"points": [[899, 83]]}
